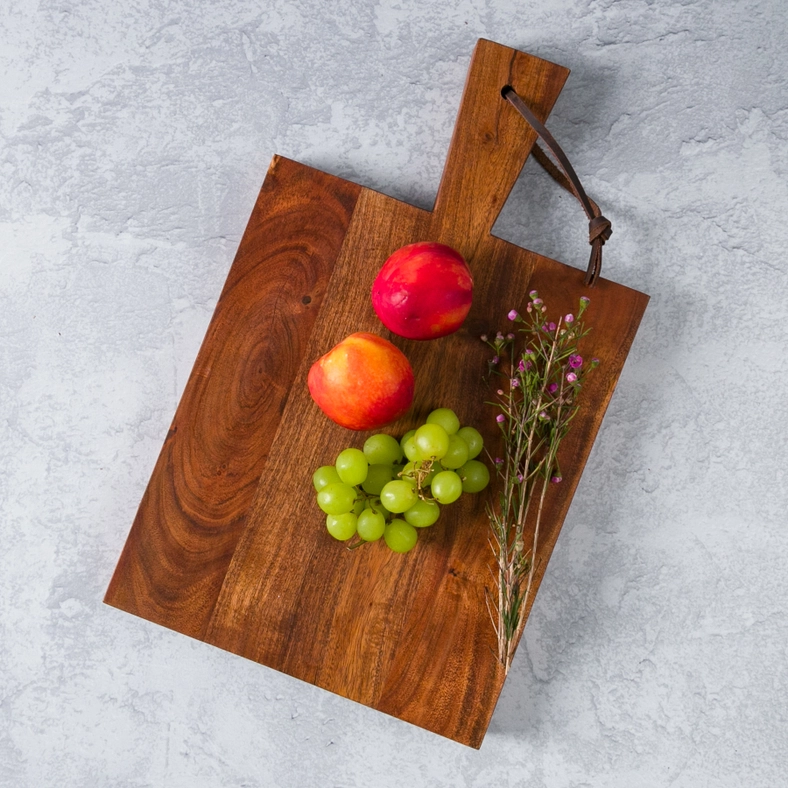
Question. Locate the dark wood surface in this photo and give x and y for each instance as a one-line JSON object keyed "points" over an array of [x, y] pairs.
{"points": [[229, 546], [197, 502]]}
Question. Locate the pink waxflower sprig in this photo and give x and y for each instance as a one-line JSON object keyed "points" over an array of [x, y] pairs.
{"points": [[543, 374]]}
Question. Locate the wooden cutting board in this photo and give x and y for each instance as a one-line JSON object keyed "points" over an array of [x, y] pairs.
{"points": [[228, 545]]}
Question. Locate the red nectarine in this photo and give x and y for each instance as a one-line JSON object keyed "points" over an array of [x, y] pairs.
{"points": [[423, 291]]}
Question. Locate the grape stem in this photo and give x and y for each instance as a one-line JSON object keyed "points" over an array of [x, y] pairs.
{"points": [[421, 470]]}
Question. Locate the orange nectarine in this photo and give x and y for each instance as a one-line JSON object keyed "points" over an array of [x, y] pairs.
{"points": [[362, 383]]}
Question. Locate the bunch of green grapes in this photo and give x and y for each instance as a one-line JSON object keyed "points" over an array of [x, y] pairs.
{"points": [[392, 488]]}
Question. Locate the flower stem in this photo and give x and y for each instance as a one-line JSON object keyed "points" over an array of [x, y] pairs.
{"points": [[543, 378]]}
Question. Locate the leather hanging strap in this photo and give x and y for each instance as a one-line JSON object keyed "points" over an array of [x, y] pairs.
{"points": [[599, 228]]}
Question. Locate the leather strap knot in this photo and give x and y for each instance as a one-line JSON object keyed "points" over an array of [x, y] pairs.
{"points": [[599, 228]]}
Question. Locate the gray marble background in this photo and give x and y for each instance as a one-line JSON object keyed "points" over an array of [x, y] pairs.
{"points": [[133, 140]]}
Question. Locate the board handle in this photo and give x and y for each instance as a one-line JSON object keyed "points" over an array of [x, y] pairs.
{"points": [[490, 142]]}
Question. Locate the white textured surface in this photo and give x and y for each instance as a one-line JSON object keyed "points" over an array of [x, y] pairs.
{"points": [[133, 141]]}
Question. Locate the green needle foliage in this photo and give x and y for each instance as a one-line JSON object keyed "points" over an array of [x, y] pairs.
{"points": [[542, 374]]}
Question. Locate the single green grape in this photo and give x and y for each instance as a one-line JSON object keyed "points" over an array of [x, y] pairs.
{"points": [[352, 466], [408, 434], [446, 487], [341, 526], [400, 536], [358, 506], [432, 442], [422, 514], [376, 506], [336, 498], [377, 478], [371, 525], [382, 449], [447, 419], [399, 495], [409, 448], [457, 453], [474, 440], [325, 475], [475, 476]]}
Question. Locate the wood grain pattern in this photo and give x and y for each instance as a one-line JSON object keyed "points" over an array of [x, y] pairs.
{"points": [[230, 508], [196, 504]]}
